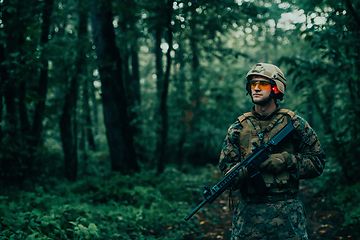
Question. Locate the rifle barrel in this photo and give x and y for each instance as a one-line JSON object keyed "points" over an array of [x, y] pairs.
{"points": [[195, 210]]}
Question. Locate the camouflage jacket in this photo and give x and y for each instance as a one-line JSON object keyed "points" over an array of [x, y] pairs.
{"points": [[307, 156]]}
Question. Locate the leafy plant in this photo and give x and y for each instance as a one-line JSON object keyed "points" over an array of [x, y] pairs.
{"points": [[347, 199], [143, 206]]}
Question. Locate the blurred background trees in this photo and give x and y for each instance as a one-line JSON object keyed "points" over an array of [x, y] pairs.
{"points": [[148, 84]]}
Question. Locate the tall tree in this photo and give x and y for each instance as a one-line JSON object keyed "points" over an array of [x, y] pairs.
{"points": [[68, 130], [88, 123], [161, 26], [115, 107], [198, 32], [26, 63], [127, 35], [3, 72], [43, 77], [68, 120]]}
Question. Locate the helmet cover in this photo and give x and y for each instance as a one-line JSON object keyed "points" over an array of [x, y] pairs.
{"points": [[271, 72]]}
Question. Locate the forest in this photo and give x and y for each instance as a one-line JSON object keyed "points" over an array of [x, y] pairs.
{"points": [[113, 113]]}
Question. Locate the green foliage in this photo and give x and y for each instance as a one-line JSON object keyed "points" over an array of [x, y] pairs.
{"points": [[328, 78], [144, 206], [346, 198], [12, 156]]}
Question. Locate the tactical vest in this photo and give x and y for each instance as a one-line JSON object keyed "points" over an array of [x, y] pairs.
{"points": [[255, 130]]}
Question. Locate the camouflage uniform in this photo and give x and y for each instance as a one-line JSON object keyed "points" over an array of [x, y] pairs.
{"points": [[278, 213]]}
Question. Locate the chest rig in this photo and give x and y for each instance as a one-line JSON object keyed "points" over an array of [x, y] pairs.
{"points": [[258, 131]]}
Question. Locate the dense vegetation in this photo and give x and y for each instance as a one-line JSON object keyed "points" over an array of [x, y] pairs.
{"points": [[144, 207], [113, 112]]}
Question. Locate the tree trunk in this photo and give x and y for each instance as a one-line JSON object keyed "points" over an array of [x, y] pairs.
{"points": [[43, 79], [3, 73], [195, 90], [118, 131], [130, 84], [11, 50], [159, 152], [68, 121], [68, 132], [184, 124], [135, 75], [88, 122], [163, 87], [198, 151], [12, 161], [83, 43], [23, 113], [95, 107]]}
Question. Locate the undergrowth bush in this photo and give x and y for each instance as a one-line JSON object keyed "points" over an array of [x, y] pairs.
{"points": [[142, 206], [347, 199]]}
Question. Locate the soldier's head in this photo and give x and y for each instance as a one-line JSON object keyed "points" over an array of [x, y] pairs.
{"points": [[265, 82]]}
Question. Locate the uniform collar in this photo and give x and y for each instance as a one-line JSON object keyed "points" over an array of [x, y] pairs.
{"points": [[265, 117]]}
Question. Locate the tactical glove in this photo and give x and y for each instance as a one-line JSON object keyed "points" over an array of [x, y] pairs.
{"points": [[243, 174], [276, 163]]}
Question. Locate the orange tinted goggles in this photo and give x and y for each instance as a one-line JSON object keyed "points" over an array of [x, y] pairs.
{"points": [[262, 85]]}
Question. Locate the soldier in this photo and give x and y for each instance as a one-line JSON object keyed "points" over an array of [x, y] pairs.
{"points": [[278, 212]]}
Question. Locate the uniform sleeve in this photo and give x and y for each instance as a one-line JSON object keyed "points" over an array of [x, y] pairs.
{"points": [[230, 152], [309, 161]]}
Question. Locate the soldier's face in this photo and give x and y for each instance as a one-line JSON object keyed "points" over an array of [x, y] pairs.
{"points": [[260, 88]]}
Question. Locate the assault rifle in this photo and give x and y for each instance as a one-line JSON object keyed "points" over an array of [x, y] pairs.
{"points": [[259, 154]]}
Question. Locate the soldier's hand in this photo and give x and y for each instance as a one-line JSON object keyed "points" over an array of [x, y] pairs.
{"points": [[239, 181], [276, 162], [243, 174]]}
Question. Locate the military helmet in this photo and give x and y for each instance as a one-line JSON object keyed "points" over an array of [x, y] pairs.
{"points": [[271, 72]]}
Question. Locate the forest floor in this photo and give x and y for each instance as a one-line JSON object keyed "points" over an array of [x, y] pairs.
{"points": [[322, 222]]}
